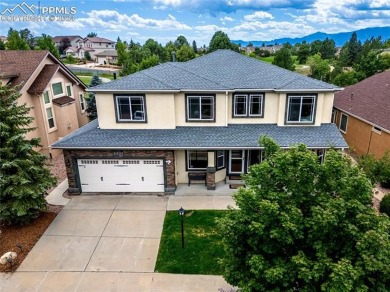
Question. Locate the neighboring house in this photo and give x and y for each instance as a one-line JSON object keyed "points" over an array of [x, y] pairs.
{"points": [[72, 38], [199, 119], [54, 94], [362, 113], [247, 50], [77, 52], [107, 57], [96, 45]]}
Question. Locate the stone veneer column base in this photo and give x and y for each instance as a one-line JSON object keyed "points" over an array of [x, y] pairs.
{"points": [[210, 178]]}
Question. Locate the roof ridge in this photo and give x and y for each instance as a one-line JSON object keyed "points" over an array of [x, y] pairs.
{"points": [[200, 76]]}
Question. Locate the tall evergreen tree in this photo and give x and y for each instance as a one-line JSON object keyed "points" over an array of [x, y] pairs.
{"points": [[194, 46], [24, 177], [91, 100], [283, 58]]}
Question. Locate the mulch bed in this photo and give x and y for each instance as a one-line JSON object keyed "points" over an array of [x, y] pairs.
{"points": [[21, 239]]}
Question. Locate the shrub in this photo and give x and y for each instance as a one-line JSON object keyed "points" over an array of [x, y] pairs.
{"points": [[383, 170], [369, 165], [385, 205]]}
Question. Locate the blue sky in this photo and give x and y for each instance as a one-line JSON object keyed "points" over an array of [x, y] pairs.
{"points": [[164, 20]]}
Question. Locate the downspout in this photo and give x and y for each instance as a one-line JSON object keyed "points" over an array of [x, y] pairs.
{"points": [[226, 108], [42, 106]]}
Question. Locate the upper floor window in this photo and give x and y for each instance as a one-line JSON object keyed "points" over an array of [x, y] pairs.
{"points": [[301, 108], [69, 90], [200, 108], [57, 88], [82, 102], [49, 110], [343, 123], [248, 105], [130, 108]]}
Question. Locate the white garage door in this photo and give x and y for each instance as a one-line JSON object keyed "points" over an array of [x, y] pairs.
{"points": [[121, 175]]}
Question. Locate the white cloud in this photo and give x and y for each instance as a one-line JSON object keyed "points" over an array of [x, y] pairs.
{"points": [[226, 18], [258, 15]]}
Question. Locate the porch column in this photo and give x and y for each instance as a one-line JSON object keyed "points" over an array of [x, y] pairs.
{"points": [[210, 176]]}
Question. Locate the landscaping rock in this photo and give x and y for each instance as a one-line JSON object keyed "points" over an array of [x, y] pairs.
{"points": [[8, 257]]}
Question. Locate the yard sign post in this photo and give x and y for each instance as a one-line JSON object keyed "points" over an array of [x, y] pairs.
{"points": [[181, 213]]}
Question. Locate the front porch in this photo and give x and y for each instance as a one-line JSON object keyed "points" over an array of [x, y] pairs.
{"points": [[198, 189]]}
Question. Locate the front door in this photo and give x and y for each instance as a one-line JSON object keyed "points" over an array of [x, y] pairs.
{"points": [[236, 161]]}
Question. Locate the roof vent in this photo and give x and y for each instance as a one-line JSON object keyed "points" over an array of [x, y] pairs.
{"points": [[173, 56], [351, 98]]}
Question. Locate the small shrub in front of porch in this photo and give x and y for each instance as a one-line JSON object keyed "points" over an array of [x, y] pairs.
{"points": [[202, 244]]}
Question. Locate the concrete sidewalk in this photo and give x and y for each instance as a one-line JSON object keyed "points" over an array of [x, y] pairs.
{"points": [[55, 197]]}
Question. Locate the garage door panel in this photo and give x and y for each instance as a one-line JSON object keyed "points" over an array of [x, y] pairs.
{"points": [[113, 175]]}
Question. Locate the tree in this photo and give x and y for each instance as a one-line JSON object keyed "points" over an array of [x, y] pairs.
{"points": [[156, 49], [185, 53], [91, 100], [28, 37], [45, 42], [92, 35], [121, 51], [194, 46], [303, 53], [181, 41], [2, 45], [284, 59], [319, 68], [24, 177], [87, 56], [15, 42], [220, 40], [148, 62], [305, 226], [64, 44], [328, 49]]}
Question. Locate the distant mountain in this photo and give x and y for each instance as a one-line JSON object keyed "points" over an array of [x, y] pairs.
{"points": [[339, 38]]}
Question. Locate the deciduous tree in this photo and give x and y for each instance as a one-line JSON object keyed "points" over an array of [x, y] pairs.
{"points": [[15, 41], [283, 58], [45, 42], [306, 226]]}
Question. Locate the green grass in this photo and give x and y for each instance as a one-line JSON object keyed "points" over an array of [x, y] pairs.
{"points": [[202, 244], [269, 59], [86, 79], [106, 75]]}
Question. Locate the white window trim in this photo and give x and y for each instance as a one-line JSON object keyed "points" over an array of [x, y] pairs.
{"points": [[346, 124], [188, 160], [246, 105], [261, 105], [71, 89], [82, 102], [300, 109], [218, 156], [236, 158], [46, 106], [62, 85], [334, 116], [131, 114], [200, 107]]}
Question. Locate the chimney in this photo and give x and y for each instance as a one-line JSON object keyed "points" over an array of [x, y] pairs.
{"points": [[173, 56]]}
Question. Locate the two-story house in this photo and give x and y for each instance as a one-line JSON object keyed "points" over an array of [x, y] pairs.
{"points": [[159, 127], [362, 112], [54, 94], [93, 45]]}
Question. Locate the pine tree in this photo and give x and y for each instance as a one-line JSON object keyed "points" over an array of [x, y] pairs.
{"points": [[24, 177], [91, 100]]}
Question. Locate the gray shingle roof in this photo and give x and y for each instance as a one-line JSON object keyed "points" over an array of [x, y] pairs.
{"points": [[220, 70], [233, 136]]}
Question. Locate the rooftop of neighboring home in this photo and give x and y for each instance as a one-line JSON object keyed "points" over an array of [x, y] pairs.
{"points": [[107, 53], [222, 70], [98, 40], [368, 100], [21, 65], [57, 39]]}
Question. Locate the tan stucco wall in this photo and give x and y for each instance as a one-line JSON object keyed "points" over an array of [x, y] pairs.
{"points": [[62, 116], [362, 139], [220, 175], [159, 110]]}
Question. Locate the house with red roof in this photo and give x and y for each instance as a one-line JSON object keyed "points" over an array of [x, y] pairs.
{"points": [[54, 94], [362, 114]]}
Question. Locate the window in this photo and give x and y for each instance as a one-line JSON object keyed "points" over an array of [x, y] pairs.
{"points": [[237, 158], [57, 88], [321, 154], [82, 102], [343, 123], [220, 159], [300, 109], [69, 90], [49, 110], [248, 105], [200, 108], [254, 157], [197, 160], [130, 108]]}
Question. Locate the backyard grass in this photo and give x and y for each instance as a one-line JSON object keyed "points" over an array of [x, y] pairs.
{"points": [[202, 247], [86, 79], [269, 59], [106, 75]]}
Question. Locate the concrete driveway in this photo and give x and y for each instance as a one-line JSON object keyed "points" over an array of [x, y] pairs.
{"points": [[105, 243]]}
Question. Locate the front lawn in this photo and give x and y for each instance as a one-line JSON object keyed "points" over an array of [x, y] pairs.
{"points": [[202, 246]]}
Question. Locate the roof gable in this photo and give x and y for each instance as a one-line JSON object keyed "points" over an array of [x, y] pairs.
{"points": [[220, 70], [368, 99], [43, 79]]}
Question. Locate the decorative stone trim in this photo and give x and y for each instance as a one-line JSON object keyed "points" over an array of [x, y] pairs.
{"points": [[210, 178]]}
